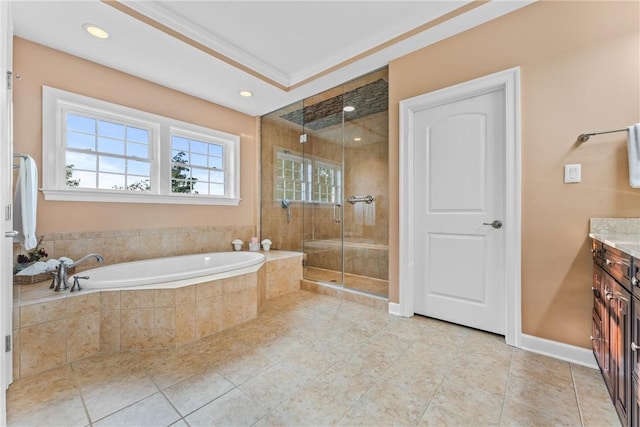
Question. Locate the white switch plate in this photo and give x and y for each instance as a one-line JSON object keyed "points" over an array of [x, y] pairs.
{"points": [[572, 173]]}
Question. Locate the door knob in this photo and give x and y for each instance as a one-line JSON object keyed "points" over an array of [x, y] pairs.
{"points": [[495, 224]]}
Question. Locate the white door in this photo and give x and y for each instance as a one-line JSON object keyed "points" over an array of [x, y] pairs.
{"points": [[459, 211], [6, 244]]}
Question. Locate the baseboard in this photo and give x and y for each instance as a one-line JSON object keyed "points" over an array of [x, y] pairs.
{"points": [[394, 308], [557, 350]]}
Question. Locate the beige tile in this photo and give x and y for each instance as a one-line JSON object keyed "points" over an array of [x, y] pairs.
{"points": [[42, 347], [595, 405], [136, 299], [165, 327], [83, 304], [185, 324], [107, 397], [209, 316], [186, 295], [233, 408], [241, 369], [208, 290], [136, 329], [109, 330], [165, 297], [49, 311], [16, 353], [155, 410], [233, 308], [210, 386], [83, 335], [233, 284], [110, 300], [169, 367]]}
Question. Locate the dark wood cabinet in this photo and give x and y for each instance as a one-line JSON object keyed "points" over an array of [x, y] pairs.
{"points": [[615, 326], [635, 362]]}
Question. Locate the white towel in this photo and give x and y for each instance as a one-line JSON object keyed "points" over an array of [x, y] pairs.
{"points": [[33, 269], [66, 260], [26, 202], [633, 148], [52, 264]]}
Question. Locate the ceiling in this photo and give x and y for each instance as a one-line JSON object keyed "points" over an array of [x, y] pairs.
{"points": [[282, 51]]}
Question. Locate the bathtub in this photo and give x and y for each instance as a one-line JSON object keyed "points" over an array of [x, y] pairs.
{"points": [[172, 272]]}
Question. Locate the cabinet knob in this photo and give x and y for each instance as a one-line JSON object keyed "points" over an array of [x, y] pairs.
{"points": [[634, 347], [609, 295], [635, 281]]}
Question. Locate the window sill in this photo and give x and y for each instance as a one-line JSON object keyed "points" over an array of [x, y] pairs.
{"points": [[79, 195]]}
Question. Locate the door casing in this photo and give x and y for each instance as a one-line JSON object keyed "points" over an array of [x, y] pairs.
{"points": [[509, 81]]}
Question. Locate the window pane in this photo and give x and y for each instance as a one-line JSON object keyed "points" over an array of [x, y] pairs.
{"points": [[179, 157], [138, 150], [83, 179], [198, 160], [215, 162], [137, 135], [138, 168], [179, 144], [215, 150], [217, 190], [110, 181], [81, 124], [138, 183], [111, 164], [181, 186], [199, 147], [217, 176], [109, 129], [81, 141], [201, 188], [112, 146], [200, 174], [81, 160]]}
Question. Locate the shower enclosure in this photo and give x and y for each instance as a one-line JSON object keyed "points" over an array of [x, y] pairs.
{"points": [[325, 183]]}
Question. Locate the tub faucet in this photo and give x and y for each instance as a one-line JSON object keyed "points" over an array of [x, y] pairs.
{"points": [[60, 279]]}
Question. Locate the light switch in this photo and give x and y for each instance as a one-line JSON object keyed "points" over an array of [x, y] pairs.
{"points": [[572, 173]]}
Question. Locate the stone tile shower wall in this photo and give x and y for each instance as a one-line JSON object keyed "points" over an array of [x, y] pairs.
{"points": [[118, 246]]}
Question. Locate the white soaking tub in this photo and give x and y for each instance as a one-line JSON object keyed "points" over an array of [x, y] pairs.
{"points": [[171, 272]]}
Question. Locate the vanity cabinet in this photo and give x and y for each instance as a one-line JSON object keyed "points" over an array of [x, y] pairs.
{"points": [[616, 328]]}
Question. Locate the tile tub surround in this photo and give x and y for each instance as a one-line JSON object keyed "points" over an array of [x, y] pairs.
{"points": [[310, 359], [52, 329], [117, 246]]}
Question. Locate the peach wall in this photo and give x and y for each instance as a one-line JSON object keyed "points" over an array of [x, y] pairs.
{"points": [[38, 65], [580, 72]]}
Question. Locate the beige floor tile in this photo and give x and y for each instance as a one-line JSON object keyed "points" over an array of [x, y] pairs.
{"points": [[153, 411], [593, 398], [209, 386], [241, 369], [273, 385], [106, 397], [232, 409], [535, 402], [459, 404]]}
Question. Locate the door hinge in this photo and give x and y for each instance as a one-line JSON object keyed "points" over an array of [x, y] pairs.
{"points": [[7, 343], [7, 212], [9, 80], [303, 138]]}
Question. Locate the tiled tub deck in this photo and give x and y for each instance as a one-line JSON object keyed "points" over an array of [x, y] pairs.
{"points": [[51, 329]]}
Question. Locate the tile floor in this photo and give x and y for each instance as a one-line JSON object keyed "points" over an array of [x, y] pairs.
{"points": [[310, 359]]}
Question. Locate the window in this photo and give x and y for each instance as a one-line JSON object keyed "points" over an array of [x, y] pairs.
{"points": [[98, 151], [309, 180]]}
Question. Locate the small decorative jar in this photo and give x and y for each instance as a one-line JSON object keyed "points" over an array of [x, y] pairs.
{"points": [[254, 246], [266, 244], [237, 244]]}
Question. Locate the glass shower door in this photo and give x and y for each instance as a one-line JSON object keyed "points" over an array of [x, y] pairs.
{"points": [[323, 210]]}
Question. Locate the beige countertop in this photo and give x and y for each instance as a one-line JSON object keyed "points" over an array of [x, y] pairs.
{"points": [[626, 242]]}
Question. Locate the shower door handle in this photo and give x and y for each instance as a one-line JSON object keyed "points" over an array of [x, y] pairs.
{"points": [[337, 214]]}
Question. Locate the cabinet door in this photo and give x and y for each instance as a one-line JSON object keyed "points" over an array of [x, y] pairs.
{"points": [[635, 360], [621, 310], [596, 338], [608, 331]]}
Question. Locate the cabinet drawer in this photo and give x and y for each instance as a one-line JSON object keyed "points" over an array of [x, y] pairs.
{"points": [[596, 251], [618, 265]]}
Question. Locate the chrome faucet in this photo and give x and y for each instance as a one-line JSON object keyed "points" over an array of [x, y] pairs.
{"points": [[60, 279]]}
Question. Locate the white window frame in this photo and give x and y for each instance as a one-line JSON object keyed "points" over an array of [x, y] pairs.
{"points": [[55, 104]]}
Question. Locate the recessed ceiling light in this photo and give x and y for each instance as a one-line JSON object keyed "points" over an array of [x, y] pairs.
{"points": [[246, 93], [96, 31], [357, 138], [349, 108]]}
